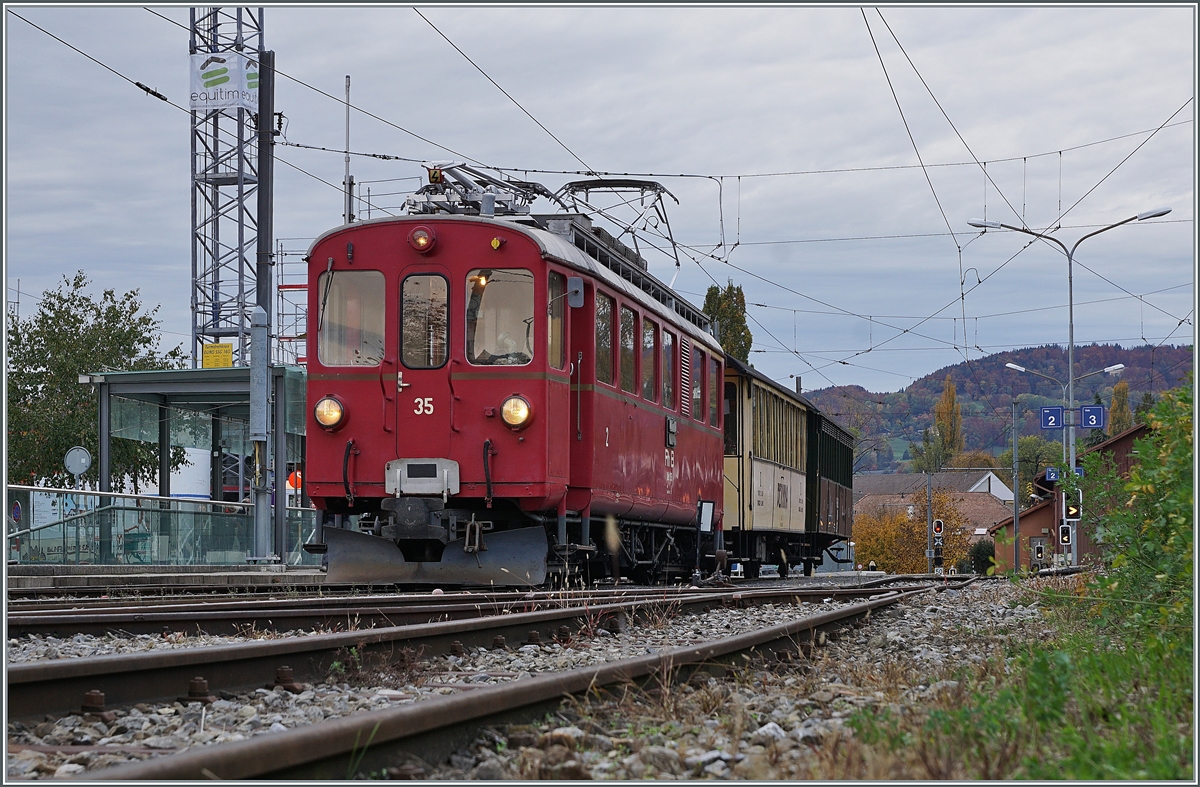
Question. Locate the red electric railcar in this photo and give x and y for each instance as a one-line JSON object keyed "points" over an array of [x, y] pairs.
{"points": [[499, 399]]}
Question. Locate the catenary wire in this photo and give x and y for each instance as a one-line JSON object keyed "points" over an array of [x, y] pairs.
{"points": [[405, 130], [502, 90]]}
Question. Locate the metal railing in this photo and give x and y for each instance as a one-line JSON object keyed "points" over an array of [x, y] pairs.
{"points": [[70, 526]]}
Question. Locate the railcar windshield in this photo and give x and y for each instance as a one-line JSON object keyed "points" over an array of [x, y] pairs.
{"points": [[499, 317], [424, 330], [350, 318]]}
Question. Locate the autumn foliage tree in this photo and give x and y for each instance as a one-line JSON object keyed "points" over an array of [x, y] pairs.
{"points": [[896, 541], [728, 308], [1120, 417], [946, 440]]}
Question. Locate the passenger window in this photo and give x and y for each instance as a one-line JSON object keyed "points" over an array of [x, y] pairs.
{"points": [[668, 370], [424, 328], [697, 384], [499, 317], [604, 338], [556, 290], [712, 391], [628, 358], [731, 421], [649, 354], [350, 318]]}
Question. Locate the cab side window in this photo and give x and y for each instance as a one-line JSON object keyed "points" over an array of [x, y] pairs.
{"points": [[556, 290]]}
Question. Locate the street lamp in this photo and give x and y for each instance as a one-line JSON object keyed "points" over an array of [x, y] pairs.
{"points": [[1106, 370], [995, 225]]}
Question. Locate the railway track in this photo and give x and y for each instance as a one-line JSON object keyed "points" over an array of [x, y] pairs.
{"points": [[38, 689], [58, 686], [434, 727], [221, 617]]}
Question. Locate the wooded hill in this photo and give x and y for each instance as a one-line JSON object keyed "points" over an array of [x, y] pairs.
{"points": [[885, 423]]}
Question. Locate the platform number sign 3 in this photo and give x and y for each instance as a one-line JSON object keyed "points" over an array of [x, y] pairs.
{"points": [[1093, 416], [1052, 418]]}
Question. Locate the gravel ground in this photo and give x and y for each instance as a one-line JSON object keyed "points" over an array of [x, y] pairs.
{"points": [[778, 721], [153, 730]]}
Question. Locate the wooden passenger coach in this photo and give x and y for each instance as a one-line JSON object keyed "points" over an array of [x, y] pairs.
{"points": [[788, 475]]}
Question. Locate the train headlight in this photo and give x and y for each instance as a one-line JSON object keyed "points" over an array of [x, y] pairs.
{"points": [[422, 239], [329, 412], [516, 412]]}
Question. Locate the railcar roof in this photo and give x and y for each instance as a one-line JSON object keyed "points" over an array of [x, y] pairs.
{"points": [[750, 371], [559, 248]]}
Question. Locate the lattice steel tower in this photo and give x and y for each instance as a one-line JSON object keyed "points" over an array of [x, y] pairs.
{"points": [[224, 194]]}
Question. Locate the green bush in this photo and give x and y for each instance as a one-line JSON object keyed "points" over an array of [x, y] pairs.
{"points": [[1147, 532], [980, 555]]}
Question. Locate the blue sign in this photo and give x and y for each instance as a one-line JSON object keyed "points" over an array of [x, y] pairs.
{"points": [[1079, 472], [1051, 473], [1052, 418], [1094, 416], [16, 512]]}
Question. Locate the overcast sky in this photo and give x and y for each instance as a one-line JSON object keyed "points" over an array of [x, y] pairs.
{"points": [[840, 254]]}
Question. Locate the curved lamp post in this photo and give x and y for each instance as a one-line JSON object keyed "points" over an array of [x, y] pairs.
{"points": [[1150, 214], [1106, 370]]}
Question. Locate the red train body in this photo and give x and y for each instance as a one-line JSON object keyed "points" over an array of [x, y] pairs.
{"points": [[481, 390]]}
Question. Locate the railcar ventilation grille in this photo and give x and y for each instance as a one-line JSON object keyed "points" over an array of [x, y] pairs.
{"points": [[685, 376]]}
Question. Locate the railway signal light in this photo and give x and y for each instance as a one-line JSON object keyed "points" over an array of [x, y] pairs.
{"points": [[1064, 534], [938, 527], [1073, 509], [1039, 552]]}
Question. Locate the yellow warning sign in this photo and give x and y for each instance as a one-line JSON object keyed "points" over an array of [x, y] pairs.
{"points": [[217, 356]]}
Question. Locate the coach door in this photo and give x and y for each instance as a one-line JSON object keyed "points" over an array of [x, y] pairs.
{"points": [[423, 390]]}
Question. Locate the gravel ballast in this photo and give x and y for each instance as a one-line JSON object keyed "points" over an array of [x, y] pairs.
{"points": [[795, 706]]}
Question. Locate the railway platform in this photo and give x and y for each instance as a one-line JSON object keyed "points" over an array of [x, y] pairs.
{"points": [[93, 577]]}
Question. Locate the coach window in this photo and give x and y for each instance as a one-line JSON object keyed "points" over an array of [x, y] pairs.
{"points": [[731, 419], [712, 391], [649, 353], [424, 329], [697, 384], [499, 317], [556, 289], [604, 338], [628, 358], [350, 323], [668, 370]]}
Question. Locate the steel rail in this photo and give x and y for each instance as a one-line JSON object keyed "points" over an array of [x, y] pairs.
{"points": [[289, 597], [49, 687], [230, 618], [368, 741]]}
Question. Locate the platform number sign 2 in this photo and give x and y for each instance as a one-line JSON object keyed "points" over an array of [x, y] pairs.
{"points": [[1093, 416], [1052, 418]]}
